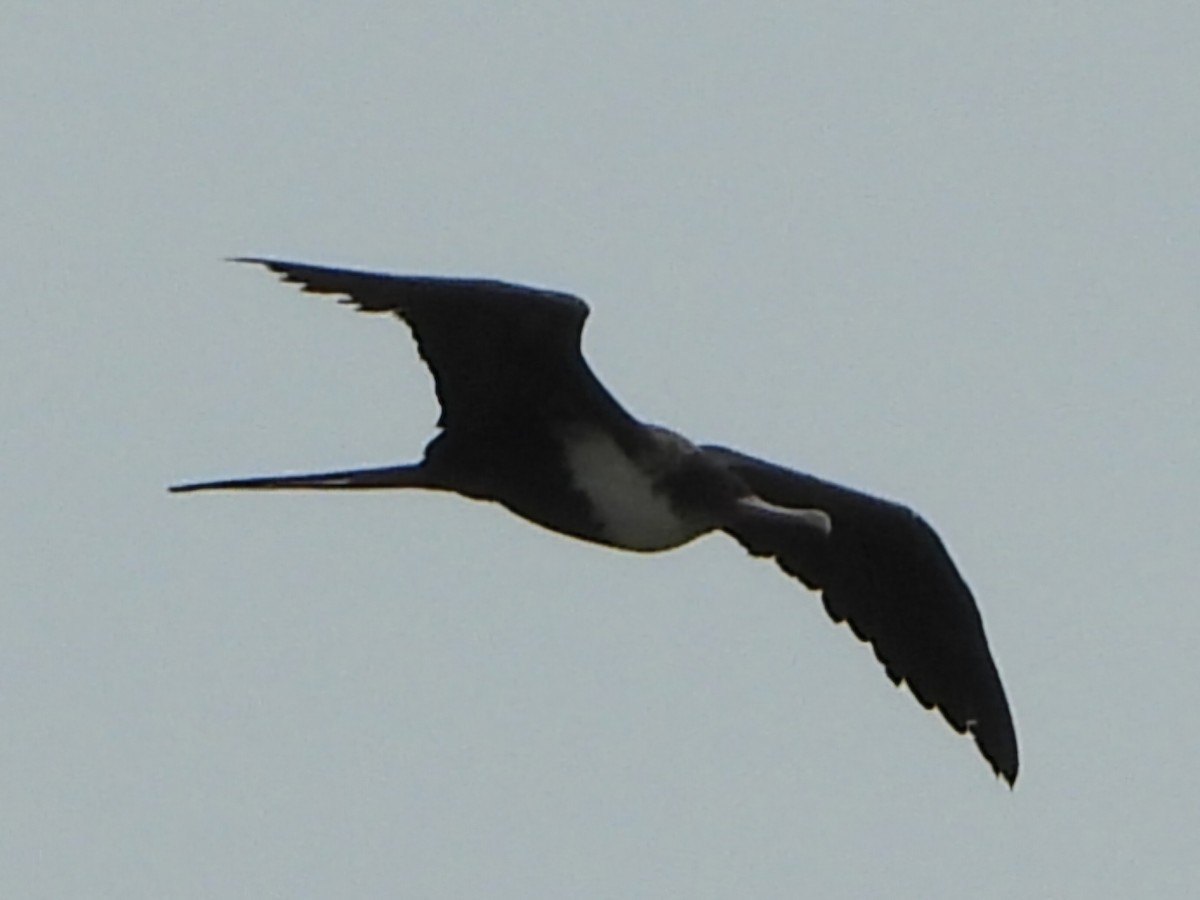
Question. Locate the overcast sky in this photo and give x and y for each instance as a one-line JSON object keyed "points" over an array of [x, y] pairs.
{"points": [[943, 252]]}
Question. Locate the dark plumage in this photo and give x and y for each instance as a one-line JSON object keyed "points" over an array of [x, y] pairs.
{"points": [[524, 422]]}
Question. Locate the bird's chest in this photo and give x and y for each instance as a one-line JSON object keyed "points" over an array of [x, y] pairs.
{"points": [[631, 508]]}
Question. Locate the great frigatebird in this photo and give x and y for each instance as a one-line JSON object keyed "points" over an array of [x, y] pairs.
{"points": [[525, 423]]}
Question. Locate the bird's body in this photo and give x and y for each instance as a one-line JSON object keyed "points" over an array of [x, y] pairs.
{"points": [[525, 423]]}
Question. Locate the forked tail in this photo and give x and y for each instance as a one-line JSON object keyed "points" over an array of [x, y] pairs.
{"points": [[413, 476]]}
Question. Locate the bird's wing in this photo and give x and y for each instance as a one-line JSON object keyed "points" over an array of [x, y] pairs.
{"points": [[499, 352], [884, 571]]}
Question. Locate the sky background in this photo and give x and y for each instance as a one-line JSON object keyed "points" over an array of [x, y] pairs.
{"points": [[943, 252]]}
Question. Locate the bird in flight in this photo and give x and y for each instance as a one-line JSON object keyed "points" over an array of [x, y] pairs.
{"points": [[525, 423]]}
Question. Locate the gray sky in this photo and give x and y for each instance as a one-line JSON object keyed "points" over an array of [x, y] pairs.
{"points": [[947, 253]]}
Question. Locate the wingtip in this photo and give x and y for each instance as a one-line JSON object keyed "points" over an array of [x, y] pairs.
{"points": [[284, 269], [1007, 776], [1009, 773], [1005, 765]]}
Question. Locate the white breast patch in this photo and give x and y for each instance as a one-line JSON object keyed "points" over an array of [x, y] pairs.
{"points": [[634, 515]]}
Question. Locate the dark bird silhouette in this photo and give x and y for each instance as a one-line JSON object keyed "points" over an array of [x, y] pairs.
{"points": [[525, 423]]}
